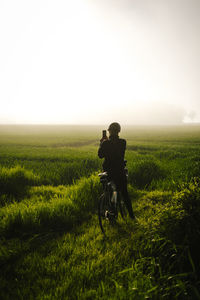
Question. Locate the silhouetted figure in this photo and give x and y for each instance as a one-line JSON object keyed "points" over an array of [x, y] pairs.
{"points": [[112, 149]]}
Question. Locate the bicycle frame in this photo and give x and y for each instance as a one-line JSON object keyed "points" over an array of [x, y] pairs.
{"points": [[109, 202]]}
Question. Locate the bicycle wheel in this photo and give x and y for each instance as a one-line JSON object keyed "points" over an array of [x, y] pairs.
{"points": [[104, 212], [123, 209]]}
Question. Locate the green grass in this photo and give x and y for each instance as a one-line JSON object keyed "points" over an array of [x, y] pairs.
{"points": [[62, 210], [141, 259], [51, 243]]}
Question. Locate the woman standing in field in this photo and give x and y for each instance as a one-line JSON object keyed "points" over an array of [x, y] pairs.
{"points": [[112, 149]]}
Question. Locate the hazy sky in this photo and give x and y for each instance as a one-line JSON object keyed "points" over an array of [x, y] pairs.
{"points": [[97, 61]]}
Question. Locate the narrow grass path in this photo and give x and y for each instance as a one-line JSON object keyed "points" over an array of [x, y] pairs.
{"points": [[136, 260], [81, 264]]}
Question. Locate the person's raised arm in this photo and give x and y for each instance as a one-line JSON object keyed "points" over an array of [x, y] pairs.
{"points": [[101, 151]]}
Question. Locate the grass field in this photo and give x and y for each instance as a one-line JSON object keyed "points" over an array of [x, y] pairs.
{"points": [[51, 244]]}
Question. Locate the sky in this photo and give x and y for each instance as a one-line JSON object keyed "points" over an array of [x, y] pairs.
{"points": [[99, 61]]}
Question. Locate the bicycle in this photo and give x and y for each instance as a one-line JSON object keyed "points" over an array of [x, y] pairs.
{"points": [[110, 202]]}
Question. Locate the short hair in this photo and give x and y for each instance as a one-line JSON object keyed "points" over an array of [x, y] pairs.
{"points": [[115, 127]]}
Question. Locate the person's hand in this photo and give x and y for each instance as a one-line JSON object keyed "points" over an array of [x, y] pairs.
{"points": [[103, 139]]}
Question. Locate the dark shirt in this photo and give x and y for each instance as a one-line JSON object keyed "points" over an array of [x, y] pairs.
{"points": [[113, 151]]}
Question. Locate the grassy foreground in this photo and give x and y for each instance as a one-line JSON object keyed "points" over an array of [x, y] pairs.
{"points": [[51, 244]]}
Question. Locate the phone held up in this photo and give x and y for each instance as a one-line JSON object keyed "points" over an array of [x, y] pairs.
{"points": [[104, 136]]}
